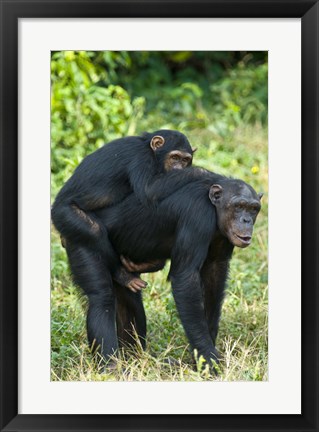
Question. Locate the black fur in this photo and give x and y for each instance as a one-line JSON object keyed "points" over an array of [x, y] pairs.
{"points": [[105, 178], [184, 227]]}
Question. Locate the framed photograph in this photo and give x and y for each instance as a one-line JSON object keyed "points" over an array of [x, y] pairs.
{"points": [[238, 81]]}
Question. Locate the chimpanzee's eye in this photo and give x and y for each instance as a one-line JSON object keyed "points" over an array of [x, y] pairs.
{"points": [[239, 206], [255, 209], [175, 158]]}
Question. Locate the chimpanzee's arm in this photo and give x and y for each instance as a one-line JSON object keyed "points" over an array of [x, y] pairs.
{"points": [[214, 275], [165, 184], [187, 291], [188, 255], [141, 174]]}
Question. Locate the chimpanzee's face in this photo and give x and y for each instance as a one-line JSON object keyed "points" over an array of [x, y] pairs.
{"points": [[177, 160], [172, 151], [237, 206]]}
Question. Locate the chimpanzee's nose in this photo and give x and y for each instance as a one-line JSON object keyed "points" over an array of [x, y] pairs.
{"points": [[246, 219]]}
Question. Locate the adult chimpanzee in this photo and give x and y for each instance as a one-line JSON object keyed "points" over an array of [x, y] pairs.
{"points": [[197, 226], [106, 177]]}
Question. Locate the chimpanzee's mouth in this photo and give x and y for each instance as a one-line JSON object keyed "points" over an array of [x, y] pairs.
{"points": [[244, 239]]}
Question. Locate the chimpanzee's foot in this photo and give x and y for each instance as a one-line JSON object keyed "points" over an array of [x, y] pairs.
{"points": [[136, 284], [129, 280]]}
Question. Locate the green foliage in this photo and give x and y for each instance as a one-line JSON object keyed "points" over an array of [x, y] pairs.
{"points": [[219, 100], [241, 97], [84, 113], [186, 86], [100, 96]]}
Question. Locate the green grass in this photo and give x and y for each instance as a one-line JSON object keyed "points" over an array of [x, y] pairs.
{"points": [[243, 335]]}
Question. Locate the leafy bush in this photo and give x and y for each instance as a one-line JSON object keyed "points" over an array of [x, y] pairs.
{"points": [[84, 113], [200, 88], [240, 98]]}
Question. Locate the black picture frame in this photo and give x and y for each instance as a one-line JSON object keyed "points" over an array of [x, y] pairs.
{"points": [[11, 11]]}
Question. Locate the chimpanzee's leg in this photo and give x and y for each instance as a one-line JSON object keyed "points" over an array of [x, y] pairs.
{"points": [[214, 275], [147, 267], [119, 273], [131, 319], [93, 276]]}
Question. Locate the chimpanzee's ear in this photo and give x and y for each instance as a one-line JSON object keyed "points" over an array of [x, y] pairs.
{"points": [[215, 192], [194, 149], [260, 195], [157, 142]]}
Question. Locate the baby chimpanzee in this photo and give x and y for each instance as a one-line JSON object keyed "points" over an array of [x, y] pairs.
{"points": [[105, 178]]}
